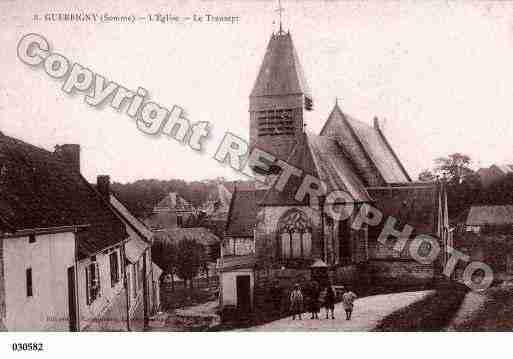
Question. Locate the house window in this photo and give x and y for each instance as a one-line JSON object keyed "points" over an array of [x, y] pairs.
{"points": [[92, 282], [32, 238], [114, 268], [28, 275], [295, 236], [179, 221], [135, 280]]}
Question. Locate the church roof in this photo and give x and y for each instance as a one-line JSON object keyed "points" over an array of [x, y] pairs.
{"points": [[414, 203], [281, 72], [367, 147], [323, 158]]}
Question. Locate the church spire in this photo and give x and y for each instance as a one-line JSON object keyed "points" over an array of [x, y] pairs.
{"points": [[279, 98], [281, 72]]}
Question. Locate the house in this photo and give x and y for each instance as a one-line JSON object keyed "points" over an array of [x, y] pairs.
{"points": [[490, 218], [142, 275], [273, 237], [216, 208], [171, 212], [492, 174], [61, 245]]}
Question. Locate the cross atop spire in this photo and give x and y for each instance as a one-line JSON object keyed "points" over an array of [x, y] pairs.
{"points": [[280, 10]]}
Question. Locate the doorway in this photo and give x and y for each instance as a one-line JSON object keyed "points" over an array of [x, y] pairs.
{"points": [[72, 302], [243, 294]]}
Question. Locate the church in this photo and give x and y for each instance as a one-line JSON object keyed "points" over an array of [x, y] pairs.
{"points": [[273, 239]]}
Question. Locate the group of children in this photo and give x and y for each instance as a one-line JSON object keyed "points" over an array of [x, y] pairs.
{"points": [[314, 298]]}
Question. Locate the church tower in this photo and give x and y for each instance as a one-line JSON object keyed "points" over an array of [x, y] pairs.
{"points": [[278, 99]]}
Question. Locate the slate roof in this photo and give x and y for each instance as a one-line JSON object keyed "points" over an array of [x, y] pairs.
{"points": [[490, 215], [243, 212], [38, 190], [323, 158], [281, 72], [366, 146]]}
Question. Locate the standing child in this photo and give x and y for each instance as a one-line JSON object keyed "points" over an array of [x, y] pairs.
{"points": [[347, 301], [329, 301], [296, 302]]}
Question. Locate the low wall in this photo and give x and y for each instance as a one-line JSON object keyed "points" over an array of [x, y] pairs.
{"points": [[399, 272]]}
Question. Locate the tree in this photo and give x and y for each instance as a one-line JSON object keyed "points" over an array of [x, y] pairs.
{"points": [[463, 184], [165, 254], [191, 257], [453, 168], [426, 176]]}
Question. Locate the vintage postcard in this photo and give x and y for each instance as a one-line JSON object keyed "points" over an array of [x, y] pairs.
{"points": [[255, 166]]}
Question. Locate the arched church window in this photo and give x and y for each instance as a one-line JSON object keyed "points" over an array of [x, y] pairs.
{"points": [[295, 233]]}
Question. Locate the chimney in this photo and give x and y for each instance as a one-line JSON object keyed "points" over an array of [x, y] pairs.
{"points": [[103, 185], [69, 153], [376, 123]]}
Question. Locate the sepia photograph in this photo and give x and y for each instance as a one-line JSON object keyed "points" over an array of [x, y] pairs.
{"points": [[255, 166]]}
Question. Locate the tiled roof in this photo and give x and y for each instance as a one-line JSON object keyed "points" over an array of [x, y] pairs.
{"points": [[490, 215], [243, 212], [37, 190], [323, 158], [281, 72]]}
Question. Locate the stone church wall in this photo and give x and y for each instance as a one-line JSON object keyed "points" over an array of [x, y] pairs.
{"points": [[267, 236]]}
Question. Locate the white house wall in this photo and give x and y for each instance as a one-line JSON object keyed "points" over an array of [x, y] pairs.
{"points": [[49, 257], [108, 311], [229, 285]]}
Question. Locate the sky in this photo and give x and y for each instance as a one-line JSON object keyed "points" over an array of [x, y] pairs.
{"points": [[438, 75]]}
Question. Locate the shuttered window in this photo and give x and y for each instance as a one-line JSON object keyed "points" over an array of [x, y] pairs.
{"points": [[92, 282], [114, 268], [28, 275]]}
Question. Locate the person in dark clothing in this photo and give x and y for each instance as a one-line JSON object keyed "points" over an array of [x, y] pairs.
{"points": [[296, 302], [313, 299], [329, 301]]}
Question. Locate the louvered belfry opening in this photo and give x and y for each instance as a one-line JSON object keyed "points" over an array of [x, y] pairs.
{"points": [[279, 97]]}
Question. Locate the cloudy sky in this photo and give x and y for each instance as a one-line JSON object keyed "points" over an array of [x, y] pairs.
{"points": [[440, 73]]}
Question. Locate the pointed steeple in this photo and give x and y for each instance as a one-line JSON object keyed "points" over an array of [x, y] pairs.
{"points": [[279, 98], [281, 72]]}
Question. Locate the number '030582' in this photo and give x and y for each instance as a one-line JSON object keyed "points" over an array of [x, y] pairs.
{"points": [[27, 347]]}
